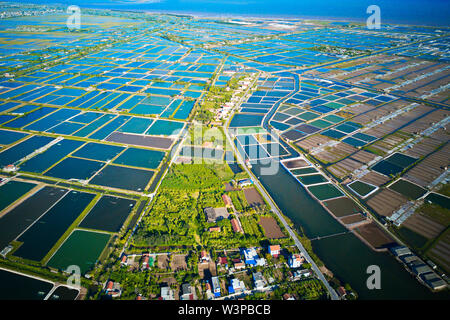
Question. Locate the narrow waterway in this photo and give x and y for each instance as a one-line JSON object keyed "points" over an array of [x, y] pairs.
{"points": [[345, 255]]}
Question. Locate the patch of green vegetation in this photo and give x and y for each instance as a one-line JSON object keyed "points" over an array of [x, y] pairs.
{"points": [[414, 239], [375, 151], [435, 212], [177, 218], [445, 190], [434, 255], [197, 176], [251, 226], [310, 289], [239, 201]]}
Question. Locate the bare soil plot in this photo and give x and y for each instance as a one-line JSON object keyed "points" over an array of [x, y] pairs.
{"points": [[375, 178], [253, 197], [168, 280], [363, 156], [424, 122], [342, 207], [313, 142], [207, 269], [335, 153], [440, 252], [163, 261], [378, 113], [344, 167], [374, 235], [229, 187], [423, 225], [354, 218], [424, 147], [185, 160], [430, 168], [389, 142], [178, 262], [386, 202], [271, 228]]}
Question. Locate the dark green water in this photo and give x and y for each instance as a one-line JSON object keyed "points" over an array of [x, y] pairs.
{"points": [[17, 287], [13, 190], [64, 293], [346, 256]]}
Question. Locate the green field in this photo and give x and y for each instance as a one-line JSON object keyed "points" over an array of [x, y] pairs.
{"points": [[82, 248]]}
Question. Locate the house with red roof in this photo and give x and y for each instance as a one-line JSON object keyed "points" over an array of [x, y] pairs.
{"points": [[274, 250], [236, 226]]}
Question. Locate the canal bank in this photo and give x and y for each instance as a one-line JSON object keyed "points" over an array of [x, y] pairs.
{"points": [[345, 255]]}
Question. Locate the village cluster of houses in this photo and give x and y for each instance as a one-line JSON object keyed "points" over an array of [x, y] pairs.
{"points": [[247, 258], [251, 258], [225, 110], [147, 261]]}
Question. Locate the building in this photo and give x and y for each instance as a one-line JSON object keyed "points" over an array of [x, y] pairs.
{"points": [[167, 293], [113, 289], [216, 214], [227, 200], [296, 260], [341, 291], [223, 261], [188, 293], [214, 229], [252, 258], [304, 273], [236, 226], [215, 286], [239, 265], [124, 260], [275, 250], [245, 182], [236, 286], [432, 264], [10, 168], [145, 260], [400, 251], [288, 296], [433, 281], [204, 256], [259, 280], [409, 258], [421, 269]]}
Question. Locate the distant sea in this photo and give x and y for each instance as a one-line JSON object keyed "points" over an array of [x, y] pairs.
{"points": [[413, 12]]}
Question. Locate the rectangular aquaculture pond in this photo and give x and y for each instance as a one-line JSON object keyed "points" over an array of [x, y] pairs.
{"points": [[325, 191], [82, 248], [123, 178], [13, 190], [408, 189], [362, 189], [108, 214], [42, 235]]}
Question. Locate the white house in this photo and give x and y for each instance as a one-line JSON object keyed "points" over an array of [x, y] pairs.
{"points": [[296, 260]]}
